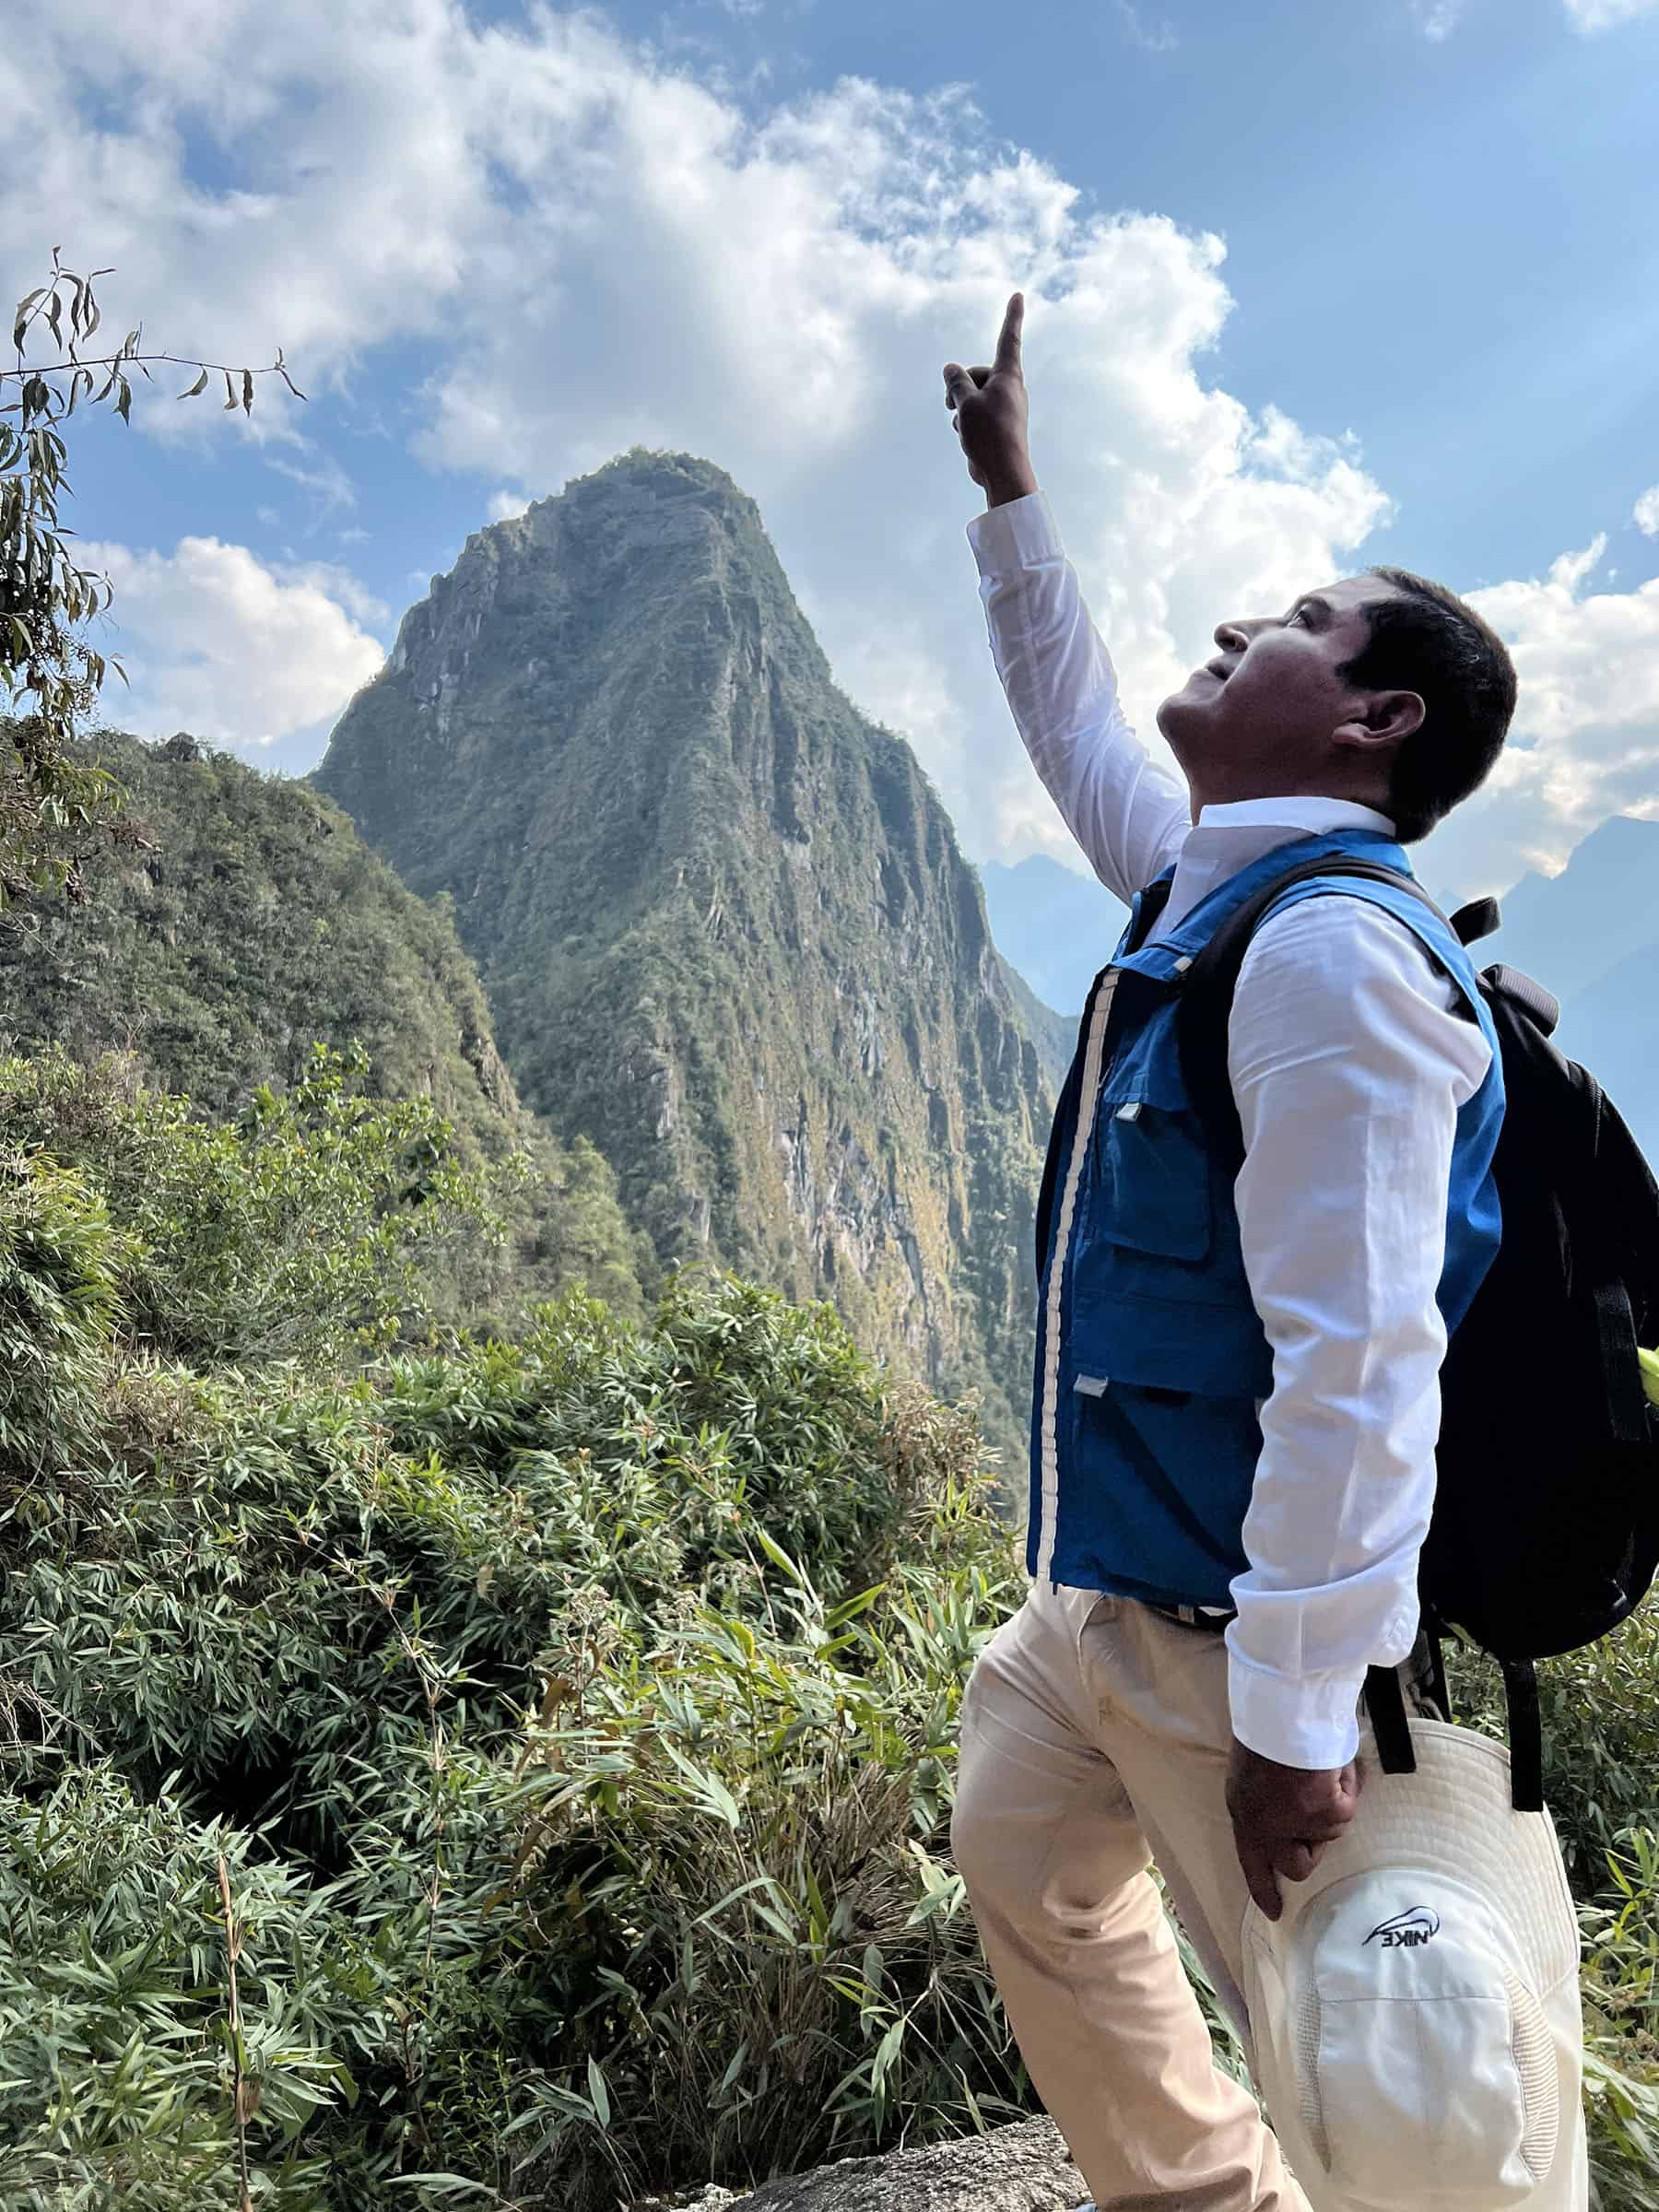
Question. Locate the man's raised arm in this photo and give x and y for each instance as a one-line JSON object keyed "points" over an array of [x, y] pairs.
{"points": [[1128, 814]]}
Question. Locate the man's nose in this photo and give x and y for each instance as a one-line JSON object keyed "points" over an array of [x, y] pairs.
{"points": [[1233, 636]]}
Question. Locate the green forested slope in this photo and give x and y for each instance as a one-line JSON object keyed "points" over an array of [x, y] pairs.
{"points": [[722, 917], [243, 922]]}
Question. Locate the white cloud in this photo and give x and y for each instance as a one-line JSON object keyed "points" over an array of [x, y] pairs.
{"points": [[1645, 514], [1437, 19], [326, 483], [506, 505], [240, 653], [1585, 741], [601, 252], [591, 249], [1607, 15], [1152, 35]]}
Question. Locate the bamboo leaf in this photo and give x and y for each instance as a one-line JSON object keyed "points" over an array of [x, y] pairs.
{"points": [[781, 1559], [599, 2093], [887, 2056], [447, 2184]]}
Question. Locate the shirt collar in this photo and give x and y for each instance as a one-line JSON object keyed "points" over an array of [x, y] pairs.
{"points": [[1227, 837], [1303, 814]]}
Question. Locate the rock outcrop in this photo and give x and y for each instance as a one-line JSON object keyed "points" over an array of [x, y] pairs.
{"points": [[1025, 2167], [722, 917]]}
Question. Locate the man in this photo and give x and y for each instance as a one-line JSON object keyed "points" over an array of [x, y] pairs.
{"points": [[1237, 1397]]}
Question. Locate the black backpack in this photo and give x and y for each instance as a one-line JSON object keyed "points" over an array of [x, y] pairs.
{"points": [[1545, 1527]]}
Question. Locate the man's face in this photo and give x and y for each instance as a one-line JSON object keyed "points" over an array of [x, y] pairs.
{"points": [[1260, 717]]}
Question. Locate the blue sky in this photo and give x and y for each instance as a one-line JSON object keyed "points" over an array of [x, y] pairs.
{"points": [[1445, 242], [1332, 285]]}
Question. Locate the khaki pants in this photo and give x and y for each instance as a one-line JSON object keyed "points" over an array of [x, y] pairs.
{"points": [[1095, 1739]]}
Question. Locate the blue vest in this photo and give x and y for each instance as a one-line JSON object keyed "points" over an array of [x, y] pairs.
{"points": [[1152, 1362]]}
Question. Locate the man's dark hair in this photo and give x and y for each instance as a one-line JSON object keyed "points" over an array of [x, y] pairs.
{"points": [[1425, 639]]}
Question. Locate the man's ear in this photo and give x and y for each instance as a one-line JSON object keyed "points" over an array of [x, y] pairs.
{"points": [[1387, 718]]}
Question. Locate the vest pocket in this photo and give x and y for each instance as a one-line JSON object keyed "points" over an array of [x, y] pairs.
{"points": [[1152, 1188], [1133, 1334]]}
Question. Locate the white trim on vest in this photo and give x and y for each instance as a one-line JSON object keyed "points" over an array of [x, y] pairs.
{"points": [[1049, 1510]]}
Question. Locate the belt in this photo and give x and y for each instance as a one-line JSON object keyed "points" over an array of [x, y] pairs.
{"points": [[1194, 1616]]}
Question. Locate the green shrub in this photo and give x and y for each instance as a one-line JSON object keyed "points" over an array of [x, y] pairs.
{"points": [[733, 1859], [323, 1612], [121, 2066], [59, 1303], [305, 1229], [1600, 1712], [574, 1718], [1620, 1982]]}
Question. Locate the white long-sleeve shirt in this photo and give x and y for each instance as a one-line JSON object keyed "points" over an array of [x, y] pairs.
{"points": [[1349, 1060]]}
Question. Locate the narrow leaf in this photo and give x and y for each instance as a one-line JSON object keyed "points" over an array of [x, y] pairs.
{"points": [[200, 385], [599, 2093], [886, 2054], [231, 402], [780, 1558], [20, 328], [449, 2184], [247, 391]]}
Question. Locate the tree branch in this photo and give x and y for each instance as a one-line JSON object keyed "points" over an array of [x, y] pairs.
{"points": [[140, 361]]}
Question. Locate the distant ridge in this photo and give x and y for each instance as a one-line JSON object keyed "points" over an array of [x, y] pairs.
{"points": [[1591, 935], [1059, 928]]}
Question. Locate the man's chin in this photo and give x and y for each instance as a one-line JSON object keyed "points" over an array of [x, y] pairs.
{"points": [[1179, 717]]}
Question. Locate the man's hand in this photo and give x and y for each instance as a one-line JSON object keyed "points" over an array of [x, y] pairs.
{"points": [[988, 408], [1284, 1819]]}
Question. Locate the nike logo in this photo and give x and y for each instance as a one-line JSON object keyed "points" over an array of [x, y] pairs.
{"points": [[1407, 1931]]}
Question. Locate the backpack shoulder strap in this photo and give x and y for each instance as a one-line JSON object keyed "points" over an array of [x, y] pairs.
{"points": [[1206, 992]]}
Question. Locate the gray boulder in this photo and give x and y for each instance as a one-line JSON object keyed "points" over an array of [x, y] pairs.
{"points": [[1025, 2167]]}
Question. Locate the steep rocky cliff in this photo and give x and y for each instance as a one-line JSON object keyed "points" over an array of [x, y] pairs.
{"points": [[721, 916]]}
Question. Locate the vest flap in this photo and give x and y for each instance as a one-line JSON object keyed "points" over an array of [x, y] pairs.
{"points": [[1139, 1077], [1170, 1344]]}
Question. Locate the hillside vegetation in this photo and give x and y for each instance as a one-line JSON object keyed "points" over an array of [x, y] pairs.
{"points": [[537, 1710], [508, 1773], [243, 923]]}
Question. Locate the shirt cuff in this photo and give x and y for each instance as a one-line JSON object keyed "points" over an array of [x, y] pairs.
{"points": [[1310, 1722], [1018, 535]]}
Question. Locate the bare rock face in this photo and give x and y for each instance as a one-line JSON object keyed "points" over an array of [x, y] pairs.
{"points": [[1025, 2167], [723, 920]]}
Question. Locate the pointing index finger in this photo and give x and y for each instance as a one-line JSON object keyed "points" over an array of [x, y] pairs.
{"points": [[1008, 345]]}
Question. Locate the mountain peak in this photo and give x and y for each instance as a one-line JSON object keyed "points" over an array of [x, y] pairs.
{"points": [[641, 496], [724, 921], [1621, 838], [1573, 928]]}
